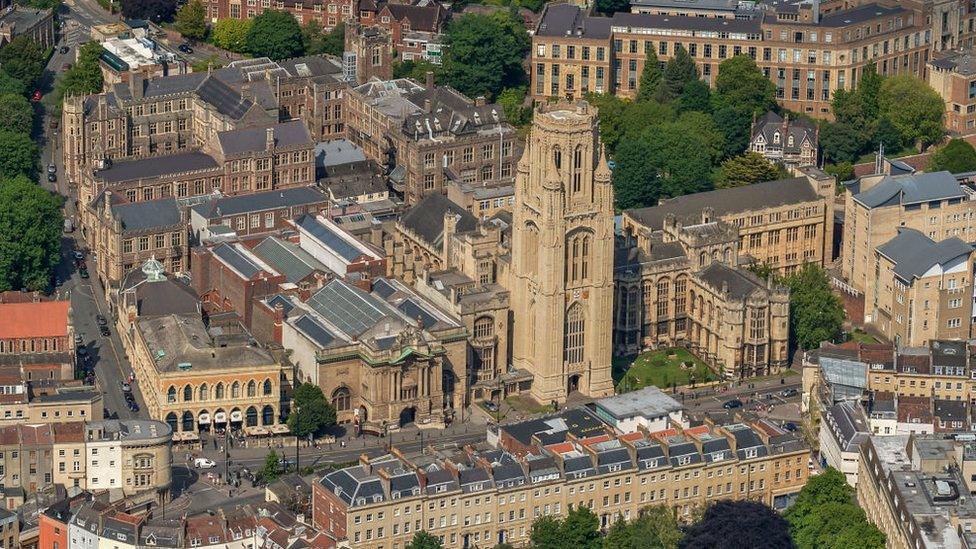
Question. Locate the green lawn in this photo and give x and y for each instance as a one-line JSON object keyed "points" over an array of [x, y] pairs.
{"points": [[660, 369], [861, 336], [869, 156]]}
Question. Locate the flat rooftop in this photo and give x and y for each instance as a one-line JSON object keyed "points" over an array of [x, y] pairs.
{"points": [[183, 343]]}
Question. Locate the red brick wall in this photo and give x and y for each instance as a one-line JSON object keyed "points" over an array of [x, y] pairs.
{"points": [[328, 512], [52, 531]]}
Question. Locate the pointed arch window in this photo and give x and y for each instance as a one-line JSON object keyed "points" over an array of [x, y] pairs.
{"points": [[574, 335], [578, 169]]}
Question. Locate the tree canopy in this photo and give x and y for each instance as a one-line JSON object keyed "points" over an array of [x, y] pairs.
{"points": [[579, 530], [735, 524], [484, 53], [156, 11], [24, 59], [913, 107], [826, 516], [816, 313], [18, 154], [651, 77], [610, 7], [9, 84], [746, 169], [276, 35], [424, 540], [311, 413], [85, 77], [231, 34], [654, 528], [956, 156], [30, 233], [18, 114], [191, 20], [679, 71], [271, 469], [742, 91], [512, 102], [317, 40]]}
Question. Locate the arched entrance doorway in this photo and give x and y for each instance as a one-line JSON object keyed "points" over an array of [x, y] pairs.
{"points": [[171, 421], [408, 415], [188, 421], [203, 421], [573, 385], [252, 416]]}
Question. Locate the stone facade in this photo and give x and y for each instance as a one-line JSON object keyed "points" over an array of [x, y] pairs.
{"points": [[562, 256]]}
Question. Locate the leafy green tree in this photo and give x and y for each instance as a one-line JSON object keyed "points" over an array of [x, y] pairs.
{"points": [[156, 11], [271, 469], [334, 41], [30, 234], [638, 117], [18, 154], [843, 171], [869, 91], [884, 132], [816, 313], [741, 92], [956, 156], [424, 540], [841, 141], [311, 414], [634, 174], [231, 34], [85, 77], [735, 524], [650, 78], [484, 53], [276, 35], [848, 107], [581, 529], [512, 101], [825, 515], [191, 20], [9, 84], [23, 59], [546, 533], [696, 96], [678, 72], [610, 7], [654, 528], [415, 68], [914, 108], [18, 114], [746, 169], [317, 40]]}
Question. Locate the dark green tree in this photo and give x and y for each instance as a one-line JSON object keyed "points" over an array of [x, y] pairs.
{"points": [[843, 171], [956, 156], [9, 84], [85, 77], [848, 107], [546, 533], [334, 41], [610, 7], [581, 529], [825, 515], [24, 60], [654, 528], [611, 113], [271, 469], [697, 96], [736, 524], [276, 35], [311, 413], [841, 141], [30, 234], [231, 34], [650, 78], [678, 72], [18, 114], [156, 11], [746, 169], [914, 108], [317, 40], [741, 92], [869, 91], [884, 132], [424, 540], [414, 68], [816, 313], [18, 154], [634, 174], [512, 101], [484, 54], [191, 20]]}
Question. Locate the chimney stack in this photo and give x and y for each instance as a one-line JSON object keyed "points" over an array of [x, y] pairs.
{"points": [[430, 80], [270, 140], [479, 101]]}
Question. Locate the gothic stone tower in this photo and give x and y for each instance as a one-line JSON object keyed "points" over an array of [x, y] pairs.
{"points": [[562, 256]]}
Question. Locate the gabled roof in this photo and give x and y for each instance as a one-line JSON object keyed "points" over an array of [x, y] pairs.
{"points": [[258, 202], [911, 189], [28, 320], [914, 254], [255, 139], [160, 214], [289, 259], [421, 18], [426, 218]]}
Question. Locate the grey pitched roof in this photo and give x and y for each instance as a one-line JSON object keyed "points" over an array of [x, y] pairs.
{"points": [[156, 166], [768, 124], [151, 214], [289, 259], [914, 253], [911, 189], [329, 237], [769, 194], [698, 24], [258, 202], [560, 19], [740, 284], [858, 15], [241, 263], [225, 99], [286, 134], [170, 296], [426, 218]]}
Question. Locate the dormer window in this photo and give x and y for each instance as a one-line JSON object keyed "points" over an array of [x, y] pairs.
{"points": [[776, 138], [790, 141]]}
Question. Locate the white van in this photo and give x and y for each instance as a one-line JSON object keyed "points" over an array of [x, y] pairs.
{"points": [[204, 463]]}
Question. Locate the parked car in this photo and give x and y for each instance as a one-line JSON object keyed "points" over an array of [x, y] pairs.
{"points": [[83, 273], [787, 393], [52, 177], [734, 403], [133, 406], [66, 67], [101, 320], [204, 463], [79, 256], [51, 168], [36, 96], [104, 331], [790, 426], [79, 339], [126, 388], [82, 350], [185, 48], [63, 50], [491, 406]]}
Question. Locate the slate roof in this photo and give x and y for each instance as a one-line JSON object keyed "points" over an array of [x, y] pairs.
{"points": [[911, 189], [289, 259], [240, 260], [770, 123], [914, 254], [136, 217], [858, 15], [760, 196], [225, 99], [286, 134], [740, 284], [156, 166], [170, 296], [258, 202], [426, 218], [422, 18]]}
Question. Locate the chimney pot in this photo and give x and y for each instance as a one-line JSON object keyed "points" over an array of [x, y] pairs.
{"points": [[429, 80]]}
